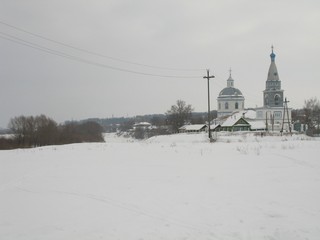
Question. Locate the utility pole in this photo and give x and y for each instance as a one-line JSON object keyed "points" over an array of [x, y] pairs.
{"points": [[272, 120], [286, 110], [208, 78], [267, 121]]}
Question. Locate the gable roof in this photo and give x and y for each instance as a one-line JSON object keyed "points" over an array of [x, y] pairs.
{"points": [[257, 125], [193, 127], [234, 120]]}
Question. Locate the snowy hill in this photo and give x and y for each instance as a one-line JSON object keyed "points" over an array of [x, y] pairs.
{"points": [[167, 187]]}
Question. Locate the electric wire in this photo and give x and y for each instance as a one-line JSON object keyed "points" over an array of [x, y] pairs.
{"points": [[71, 57], [94, 53], [75, 58]]}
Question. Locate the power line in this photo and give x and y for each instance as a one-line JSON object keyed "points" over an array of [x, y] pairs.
{"points": [[82, 60], [94, 53], [75, 58]]}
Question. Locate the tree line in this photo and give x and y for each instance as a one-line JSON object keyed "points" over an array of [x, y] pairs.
{"points": [[30, 131], [178, 115], [41, 130]]}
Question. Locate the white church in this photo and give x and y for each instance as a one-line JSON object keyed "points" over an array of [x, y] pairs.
{"points": [[230, 99], [274, 115]]}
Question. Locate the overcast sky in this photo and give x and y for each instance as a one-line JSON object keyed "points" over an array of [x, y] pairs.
{"points": [[73, 59]]}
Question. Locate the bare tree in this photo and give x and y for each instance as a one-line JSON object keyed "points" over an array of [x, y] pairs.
{"points": [[312, 114], [46, 131], [179, 114], [22, 127], [34, 131]]}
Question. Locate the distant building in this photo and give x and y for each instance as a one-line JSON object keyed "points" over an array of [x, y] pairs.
{"points": [[193, 128], [143, 125], [230, 99]]}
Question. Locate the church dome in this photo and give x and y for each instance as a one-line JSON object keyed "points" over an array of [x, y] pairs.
{"points": [[229, 92]]}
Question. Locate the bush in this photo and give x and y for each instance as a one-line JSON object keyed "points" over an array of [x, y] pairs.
{"points": [[7, 143], [84, 132]]}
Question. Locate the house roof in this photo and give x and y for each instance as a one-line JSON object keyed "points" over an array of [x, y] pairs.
{"points": [[256, 125], [214, 126], [233, 120], [142, 124], [193, 127]]}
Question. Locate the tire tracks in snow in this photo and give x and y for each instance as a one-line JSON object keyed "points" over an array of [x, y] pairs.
{"points": [[122, 205], [296, 161]]}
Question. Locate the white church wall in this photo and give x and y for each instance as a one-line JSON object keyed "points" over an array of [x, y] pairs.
{"points": [[277, 114], [222, 110]]}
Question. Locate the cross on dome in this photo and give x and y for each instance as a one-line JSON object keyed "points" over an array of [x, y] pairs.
{"points": [[272, 55]]}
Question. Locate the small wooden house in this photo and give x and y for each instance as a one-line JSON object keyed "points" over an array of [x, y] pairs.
{"points": [[233, 124], [193, 128]]}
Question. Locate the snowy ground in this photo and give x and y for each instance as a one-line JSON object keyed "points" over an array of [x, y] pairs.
{"points": [[167, 187]]}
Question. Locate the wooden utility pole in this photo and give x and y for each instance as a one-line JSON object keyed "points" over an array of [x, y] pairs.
{"points": [[208, 78], [286, 110], [267, 121], [272, 120]]}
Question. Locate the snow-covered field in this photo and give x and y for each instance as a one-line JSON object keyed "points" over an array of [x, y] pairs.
{"points": [[167, 187]]}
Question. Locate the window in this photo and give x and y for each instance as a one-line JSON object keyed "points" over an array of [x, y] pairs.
{"points": [[276, 100], [236, 106], [219, 106], [266, 98], [277, 114], [226, 105]]}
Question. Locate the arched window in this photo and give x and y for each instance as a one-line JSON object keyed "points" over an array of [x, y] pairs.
{"points": [[226, 105], [276, 100], [266, 98], [236, 106]]}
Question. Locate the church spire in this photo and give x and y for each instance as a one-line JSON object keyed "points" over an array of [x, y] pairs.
{"points": [[273, 72]]}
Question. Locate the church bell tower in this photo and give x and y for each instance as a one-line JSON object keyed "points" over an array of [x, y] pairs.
{"points": [[273, 95]]}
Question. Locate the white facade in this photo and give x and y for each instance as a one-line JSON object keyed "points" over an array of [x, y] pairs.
{"points": [[274, 117]]}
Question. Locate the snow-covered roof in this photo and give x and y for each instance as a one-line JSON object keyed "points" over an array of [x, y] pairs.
{"points": [[230, 121], [233, 119], [227, 121], [256, 125], [193, 127], [214, 126], [142, 124], [247, 114]]}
